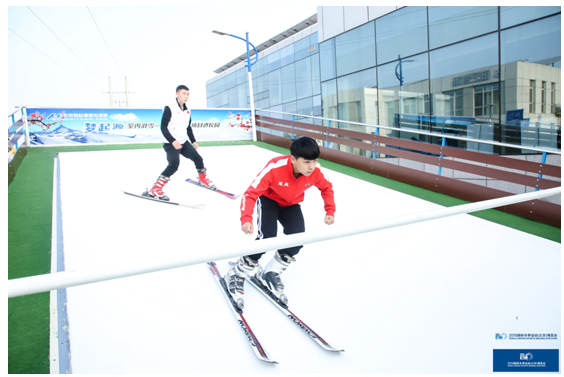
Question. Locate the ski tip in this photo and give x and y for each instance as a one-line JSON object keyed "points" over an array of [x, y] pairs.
{"points": [[194, 206]]}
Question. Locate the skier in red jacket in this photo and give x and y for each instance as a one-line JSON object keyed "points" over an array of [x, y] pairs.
{"points": [[277, 191]]}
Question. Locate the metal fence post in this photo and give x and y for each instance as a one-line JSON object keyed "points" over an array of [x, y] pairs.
{"points": [[543, 161], [443, 143]]}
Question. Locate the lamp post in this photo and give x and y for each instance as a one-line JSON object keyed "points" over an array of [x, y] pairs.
{"points": [[400, 78], [249, 72]]}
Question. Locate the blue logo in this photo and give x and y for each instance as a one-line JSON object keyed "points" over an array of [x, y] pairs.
{"points": [[502, 336], [530, 360]]}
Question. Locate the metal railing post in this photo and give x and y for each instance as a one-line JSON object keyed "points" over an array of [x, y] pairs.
{"points": [[293, 119], [375, 143], [328, 143], [443, 143], [543, 161], [25, 126]]}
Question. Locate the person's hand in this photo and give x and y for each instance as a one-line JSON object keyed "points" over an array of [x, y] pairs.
{"points": [[176, 144], [195, 145], [329, 220], [247, 228]]}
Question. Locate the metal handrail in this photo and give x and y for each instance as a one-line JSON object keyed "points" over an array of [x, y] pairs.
{"points": [[13, 118], [541, 150], [66, 279]]}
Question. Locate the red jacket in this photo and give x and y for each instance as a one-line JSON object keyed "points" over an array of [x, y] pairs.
{"points": [[277, 182]]}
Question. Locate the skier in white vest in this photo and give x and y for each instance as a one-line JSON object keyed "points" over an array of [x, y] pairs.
{"points": [[175, 126]]}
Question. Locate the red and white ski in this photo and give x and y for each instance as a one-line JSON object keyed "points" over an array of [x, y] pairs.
{"points": [[257, 348], [224, 193]]}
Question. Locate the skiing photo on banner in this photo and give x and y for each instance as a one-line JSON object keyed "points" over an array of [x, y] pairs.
{"points": [[74, 126]]}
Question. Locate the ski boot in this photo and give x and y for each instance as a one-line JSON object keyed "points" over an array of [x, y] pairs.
{"points": [[235, 279], [156, 191], [204, 180], [270, 277]]}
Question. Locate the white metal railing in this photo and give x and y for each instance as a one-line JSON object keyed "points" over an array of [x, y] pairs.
{"points": [[12, 119], [45, 283], [427, 133]]}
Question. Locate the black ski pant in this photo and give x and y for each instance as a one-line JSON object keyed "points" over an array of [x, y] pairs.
{"points": [[173, 157], [269, 212]]}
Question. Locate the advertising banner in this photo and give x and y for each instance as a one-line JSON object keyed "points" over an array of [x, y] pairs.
{"points": [[73, 126]]}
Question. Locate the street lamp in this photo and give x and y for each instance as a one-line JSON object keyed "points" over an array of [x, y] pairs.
{"points": [[248, 65], [400, 78]]}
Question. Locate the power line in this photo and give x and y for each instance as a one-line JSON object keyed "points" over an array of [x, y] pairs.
{"points": [[61, 25], [63, 43], [52, 60], [104, 39]]}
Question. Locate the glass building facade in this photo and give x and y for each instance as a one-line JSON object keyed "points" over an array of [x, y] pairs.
{"points": [[428, 68], [287, 80]]}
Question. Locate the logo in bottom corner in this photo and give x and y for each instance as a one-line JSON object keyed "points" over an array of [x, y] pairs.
{"points": [[526, 360]]}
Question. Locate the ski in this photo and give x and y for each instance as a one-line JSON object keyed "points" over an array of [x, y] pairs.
{"points": [[195, 206], [224, 193], [286, 310], [259, 351]]}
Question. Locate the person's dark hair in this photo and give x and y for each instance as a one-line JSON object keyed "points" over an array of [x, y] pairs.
{"points": [[180, 87], [305, 147]]}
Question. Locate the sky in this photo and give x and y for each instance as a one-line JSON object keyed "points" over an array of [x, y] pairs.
{"points": [[61, 56]]}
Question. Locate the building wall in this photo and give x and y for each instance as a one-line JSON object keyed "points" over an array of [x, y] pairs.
{"points": [[455, 63]]}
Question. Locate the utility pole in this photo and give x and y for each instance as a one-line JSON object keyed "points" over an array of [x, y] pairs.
{"points": [[112, 93], [126, 93]]}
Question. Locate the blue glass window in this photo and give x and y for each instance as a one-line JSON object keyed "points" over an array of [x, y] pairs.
{"points": [[274, 88], [287, 55], [301, 48], [515, 15], [273, 61], [313, 43], [289, 108], [403, 32], [242, 95], [537, 42], [357, 97], [317, 106], [327, 59], [356, 49], [305, 107], [260, 84], [242, 75], [260, 68], [223, 99], [232, 80], [288, 79], [411, 97], [413, 69], [315, 75], [303, 78], [233, 99], [463, 66], [329, 99], [453, 24]]}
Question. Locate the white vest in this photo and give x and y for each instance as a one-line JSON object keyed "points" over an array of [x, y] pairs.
{"points": [[179, 121]]}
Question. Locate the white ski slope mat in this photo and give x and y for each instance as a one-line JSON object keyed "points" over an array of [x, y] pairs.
{"points": [[424, 298]]}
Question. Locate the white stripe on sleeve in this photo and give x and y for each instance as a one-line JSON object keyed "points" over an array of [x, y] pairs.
{"points": [[267, 169]]}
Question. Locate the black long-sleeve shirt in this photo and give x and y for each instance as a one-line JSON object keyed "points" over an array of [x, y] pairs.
{"points": [[167, 114]]}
